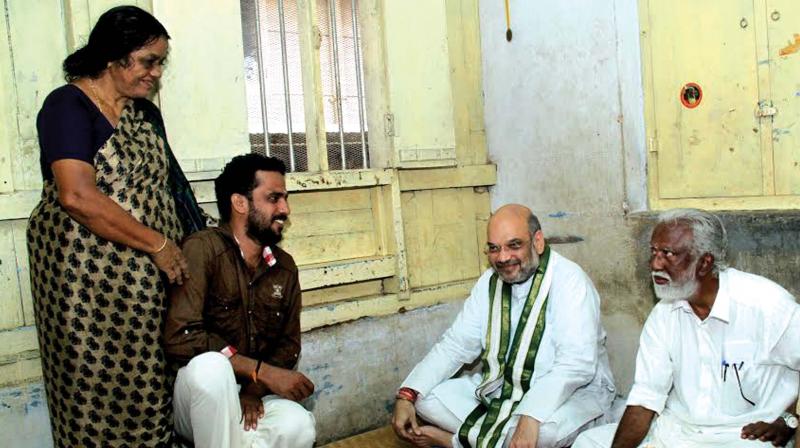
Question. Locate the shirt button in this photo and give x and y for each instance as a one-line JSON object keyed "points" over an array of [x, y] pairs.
{"points": [[278, 313], [250, 312], [185, 331]]}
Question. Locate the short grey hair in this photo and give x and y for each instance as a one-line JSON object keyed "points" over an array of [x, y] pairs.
{"points": [[533, 225], [708, 233]]}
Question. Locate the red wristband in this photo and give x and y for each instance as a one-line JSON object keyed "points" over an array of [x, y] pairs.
{"points": [[229, 351], [406, 393]]}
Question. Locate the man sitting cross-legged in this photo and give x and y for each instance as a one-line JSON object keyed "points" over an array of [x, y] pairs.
{"points": [[237, 319], [534, 319], [719, 354]]}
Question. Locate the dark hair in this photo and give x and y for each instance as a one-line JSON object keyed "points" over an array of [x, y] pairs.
{"points": [[239, 176], [117, 33], [533, 225]]}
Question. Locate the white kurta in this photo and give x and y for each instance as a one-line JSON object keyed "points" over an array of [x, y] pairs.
{"points": [[754, 324], [680, 374], [572, 382]]}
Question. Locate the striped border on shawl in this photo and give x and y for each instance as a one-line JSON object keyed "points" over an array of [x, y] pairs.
{"points": [[487, 423]]}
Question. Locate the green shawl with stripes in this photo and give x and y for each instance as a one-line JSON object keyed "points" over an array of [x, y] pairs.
{"points": [[486, 426]]}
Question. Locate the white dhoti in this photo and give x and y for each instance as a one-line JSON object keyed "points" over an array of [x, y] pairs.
{"points": [[669, 432], [450, 403], [208, 413]]}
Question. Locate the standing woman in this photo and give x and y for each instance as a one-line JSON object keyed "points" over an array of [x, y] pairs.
{"points": [[113, 205]]}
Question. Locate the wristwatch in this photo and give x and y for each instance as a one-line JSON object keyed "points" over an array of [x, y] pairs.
{"points": [[790, 419]]}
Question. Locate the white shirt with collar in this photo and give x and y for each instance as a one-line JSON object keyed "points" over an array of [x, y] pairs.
{"points": [[753, 328], [571, 365]]}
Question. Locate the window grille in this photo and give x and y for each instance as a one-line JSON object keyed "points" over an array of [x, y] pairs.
{"points": [[273, 80]]}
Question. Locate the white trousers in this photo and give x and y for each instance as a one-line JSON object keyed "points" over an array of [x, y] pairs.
{"points": [[668, 432], [434, 411], [208, 413]]}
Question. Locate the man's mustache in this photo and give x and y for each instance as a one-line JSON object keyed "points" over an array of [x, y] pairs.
{"points": [[281, 217]]}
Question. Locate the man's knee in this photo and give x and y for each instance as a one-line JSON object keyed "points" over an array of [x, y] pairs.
{"points": [[433, 411], [290, 421], [208, 374]]}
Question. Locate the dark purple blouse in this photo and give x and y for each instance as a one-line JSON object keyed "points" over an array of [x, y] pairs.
{"points": [[70, 127]]}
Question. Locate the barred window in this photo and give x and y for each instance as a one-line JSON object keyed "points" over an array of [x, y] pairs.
{"points": [[274, 84]]}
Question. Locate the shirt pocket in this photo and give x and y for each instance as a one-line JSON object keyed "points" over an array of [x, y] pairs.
{"points": [[223, 314], [740, 377], [270, 317]]}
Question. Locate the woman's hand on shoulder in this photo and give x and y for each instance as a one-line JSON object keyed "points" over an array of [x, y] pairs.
{"points": [[171, 261]]}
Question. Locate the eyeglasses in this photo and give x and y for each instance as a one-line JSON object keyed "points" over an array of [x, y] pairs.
{"points": [[149, 63], [666, 253], [736, 369], [512, 246]]}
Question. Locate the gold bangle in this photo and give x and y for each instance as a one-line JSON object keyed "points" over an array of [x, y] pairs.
{"points": [[163, 245]]}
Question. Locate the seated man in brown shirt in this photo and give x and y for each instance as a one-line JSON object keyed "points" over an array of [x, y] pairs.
{"points": [[234, 324]]}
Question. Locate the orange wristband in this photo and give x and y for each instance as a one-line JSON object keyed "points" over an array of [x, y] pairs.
{"points": [[254, 373]]}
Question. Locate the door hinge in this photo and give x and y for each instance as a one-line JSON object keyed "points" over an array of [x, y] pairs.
{"points": [[766, 109], [388, 125]]}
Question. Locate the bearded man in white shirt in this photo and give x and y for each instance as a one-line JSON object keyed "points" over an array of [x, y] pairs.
{"points": [[534, 319], [719, 355]]}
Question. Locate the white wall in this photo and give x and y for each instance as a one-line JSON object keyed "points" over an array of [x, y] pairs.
{"points": [[565, 126]]}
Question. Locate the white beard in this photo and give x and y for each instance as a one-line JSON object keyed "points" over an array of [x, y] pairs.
{"points": [[675, 290]]}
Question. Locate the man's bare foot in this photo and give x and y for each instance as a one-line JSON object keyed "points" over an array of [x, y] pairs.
{"points": [[432, 436]]}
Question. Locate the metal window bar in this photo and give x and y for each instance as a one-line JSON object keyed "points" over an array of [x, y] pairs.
{"points": [[270, 21], [337, 80], [285, 63], [359, 85], [261, 76]]}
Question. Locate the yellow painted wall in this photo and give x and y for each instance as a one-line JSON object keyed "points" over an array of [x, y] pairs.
{"points": [[204, 85], [783, 31], [419, 80], [739, 148], [369, 242]]}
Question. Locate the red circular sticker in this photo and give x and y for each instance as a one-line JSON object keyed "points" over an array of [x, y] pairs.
{"points": [[691, 95]]}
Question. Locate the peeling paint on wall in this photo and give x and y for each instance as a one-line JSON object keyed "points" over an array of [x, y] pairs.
{"points": [[792, 47], [777, 133], [366, 359], [24, 421], [563, 239]]}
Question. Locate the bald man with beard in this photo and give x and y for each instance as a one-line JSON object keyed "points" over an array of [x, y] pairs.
{"points": [[534, 321]]}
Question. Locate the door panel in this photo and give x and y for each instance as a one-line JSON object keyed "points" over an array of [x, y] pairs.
{"points": [[783, 18], [713, 149]]}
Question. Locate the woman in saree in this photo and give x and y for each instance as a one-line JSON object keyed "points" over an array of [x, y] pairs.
{"points": [[102, 241]]}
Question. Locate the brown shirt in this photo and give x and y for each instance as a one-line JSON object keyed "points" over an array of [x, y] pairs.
{"points": [[224, 303]]}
